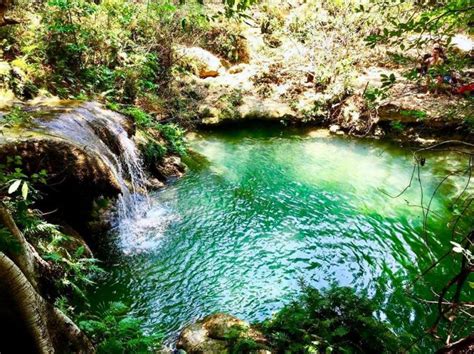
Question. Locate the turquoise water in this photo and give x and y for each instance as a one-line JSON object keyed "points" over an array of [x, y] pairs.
{"points": [[260, 211]]}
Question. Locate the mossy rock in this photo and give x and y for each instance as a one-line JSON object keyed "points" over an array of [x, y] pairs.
{"points": [[218, 333]]}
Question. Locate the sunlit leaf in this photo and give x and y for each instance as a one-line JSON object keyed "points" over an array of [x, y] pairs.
{"points": [[14, 186], [24, 190]]}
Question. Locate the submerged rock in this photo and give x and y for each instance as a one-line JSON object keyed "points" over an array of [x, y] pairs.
{"points": [[216, 334]]}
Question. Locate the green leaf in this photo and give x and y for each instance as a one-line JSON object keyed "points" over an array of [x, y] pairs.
{"points": [[341, 331], [80, 251], [53, 256], [14, 186], [24, 190]]}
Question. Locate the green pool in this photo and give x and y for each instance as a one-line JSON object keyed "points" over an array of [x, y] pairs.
{"points": [[262, 210]]}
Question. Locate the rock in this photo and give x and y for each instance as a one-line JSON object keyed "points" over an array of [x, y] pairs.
{"points": [[154, 183], [206, 112], [7, 98], [4, 68], [201, 62], [171, 167], [211, 121], [75, 241], [379, 132], [462, 43], [334, 128], [264, 109], [195, 339], [318, 133], [352, 109], [80, 146], [212, 333], [237, 68]]}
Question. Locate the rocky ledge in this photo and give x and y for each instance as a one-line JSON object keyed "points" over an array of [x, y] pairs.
{"points": [[88, 152], [220, 333]]}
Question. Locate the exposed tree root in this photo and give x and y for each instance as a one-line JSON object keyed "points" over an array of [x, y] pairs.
{"points": [[50, 329], [27, 259]]}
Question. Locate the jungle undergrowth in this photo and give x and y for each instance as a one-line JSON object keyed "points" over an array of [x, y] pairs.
{"points": [[71, 267]]}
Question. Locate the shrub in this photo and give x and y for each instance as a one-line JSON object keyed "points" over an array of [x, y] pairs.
{"points": [[333, 320], [72, 267], [153, 153], [174, 137], [397, 126], [114, 331], [16, 117], [116, 49], [228, 44], [420, 115], [141, 118]]}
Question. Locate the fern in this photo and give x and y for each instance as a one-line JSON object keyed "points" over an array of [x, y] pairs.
{"points": [[115, 331], [8, 243]]}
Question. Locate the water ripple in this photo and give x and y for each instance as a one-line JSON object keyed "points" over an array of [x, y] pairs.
{"points": [[267, 213]]}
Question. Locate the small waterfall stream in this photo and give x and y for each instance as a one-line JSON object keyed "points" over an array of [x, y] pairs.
{"points": [[102, 132]]}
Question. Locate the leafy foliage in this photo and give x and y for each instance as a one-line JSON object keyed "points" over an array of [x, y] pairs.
{"points": [[15, 185], [75, 269], [18, 191], [154, 152], [374, 96], [430, 21], [334, 320], [114, 331], [240, 342], [15, 117], [8, 243], [171, 134], [413, 113], [174, 137], [397, 125], [128, 55]]}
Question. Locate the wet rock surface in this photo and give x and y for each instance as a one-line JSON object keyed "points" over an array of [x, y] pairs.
{"points": [[85, 149]]}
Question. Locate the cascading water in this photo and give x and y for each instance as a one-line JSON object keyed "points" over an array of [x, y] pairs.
{"points": [[101, 132]]}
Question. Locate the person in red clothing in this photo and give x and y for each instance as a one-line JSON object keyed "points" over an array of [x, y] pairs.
{"points": [[465, 89]]}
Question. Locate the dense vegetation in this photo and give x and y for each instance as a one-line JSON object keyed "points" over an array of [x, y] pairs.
{"points": [[124, 54], [333, 321]]}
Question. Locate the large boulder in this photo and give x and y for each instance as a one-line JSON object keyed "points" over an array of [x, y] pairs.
{"points": [[217, 333], [199, 61]]}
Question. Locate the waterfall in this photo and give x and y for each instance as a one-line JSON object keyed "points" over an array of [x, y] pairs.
{"points": [[102, 132]]}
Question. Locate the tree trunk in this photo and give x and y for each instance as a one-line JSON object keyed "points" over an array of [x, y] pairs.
{"points": [[28, 304], [28, 260], [51, 330]]}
